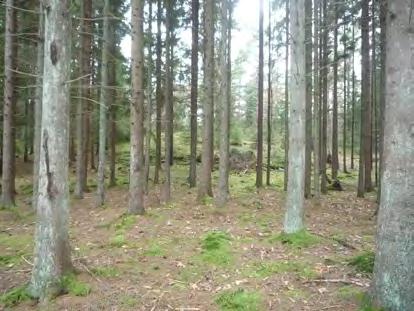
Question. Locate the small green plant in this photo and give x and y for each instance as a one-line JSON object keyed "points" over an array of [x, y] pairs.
{"points": [[239, 300], [106, 272], [216, 248], [154, 250], [207, 201], [75, 287], [349, 292], [15, 296], [301, 239], [125, 222], [9, 260], [118, 240], [128, 301], [367, 304], [267, 269], [364, 262]]}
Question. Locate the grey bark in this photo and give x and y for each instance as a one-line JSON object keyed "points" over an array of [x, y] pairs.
{"points": [[297, 122], [8, 187], [393, 285], [324, 110], [137, 176], [316, 96], [345, 104], [158, 95], [103, 107], [52, 252], [195, 5], [204, 185], [335, 160], [269, 97], [286, 138], [112, 104], [259, 155]]}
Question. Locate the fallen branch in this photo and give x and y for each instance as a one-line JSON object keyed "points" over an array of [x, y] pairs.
{"points": [[343, 281]]}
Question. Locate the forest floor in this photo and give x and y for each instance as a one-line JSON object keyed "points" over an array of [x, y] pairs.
{"points": [[189, 256]]}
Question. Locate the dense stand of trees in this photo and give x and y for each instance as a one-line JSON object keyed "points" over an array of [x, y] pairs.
{"points": [[339, 84]]}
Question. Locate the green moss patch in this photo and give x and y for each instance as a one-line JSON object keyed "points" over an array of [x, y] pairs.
{"points": [[266, 269], [216, 248], [301, 239], [75, 287], [240, 300], [15, 296], [364, 262]]}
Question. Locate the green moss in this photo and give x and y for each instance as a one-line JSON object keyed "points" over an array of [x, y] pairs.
{"points": [[363, 262], [367, 304], [154, 250], [349, 292], [74, 287], [118, 240], [128, 301], [106, 272], [216, 248], [267, 269], [15, 296], [239, 300], [301, 239], [125, 222]]}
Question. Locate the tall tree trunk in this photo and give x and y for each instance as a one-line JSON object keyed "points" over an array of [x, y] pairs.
{"points": [[84, 94], [148, 127], [335, 160], [204, 185], [8, 163], [364, 178], [317, 88], [104, 104], [195, 5], [297, 122], [26, 131], [374, 127], [286, 138], [344, 131], [394, 262], [308, 47], [52, 252], [324, 110], [168, 121], [269, 97], [223, 188], [353, 98], [38, 104], [158, 92], [259, 163], [136, 184], [113, 103]]}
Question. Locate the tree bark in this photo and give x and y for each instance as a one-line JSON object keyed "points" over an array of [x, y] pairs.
{"points": [[195, 5], [317, 97], [269, 98], [204, 185], [353, 98], [52, 252], [286, 138], [259, 163], [136, 184], [344, 131], [158, 94], [113, 103], [324, 110], [103, 107], [297, 122], [223, 188], [393, 285], [84, 94], [335, 160], [8, 178]]}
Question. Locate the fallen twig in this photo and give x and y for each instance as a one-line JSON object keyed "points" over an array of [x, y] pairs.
{"points": [[343, 281], [28, 262]]}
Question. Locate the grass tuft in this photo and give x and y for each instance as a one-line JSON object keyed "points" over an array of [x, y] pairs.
{"points": [[154, 250], [216, 248], [125, 222], [15, 296], [75, 287], [364, 262], [106, 272], [118, 240], [239, 300], [301, 239]]}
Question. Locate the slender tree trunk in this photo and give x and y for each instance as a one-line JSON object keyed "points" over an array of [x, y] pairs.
{"points": [[394, 262], [223, 188], [344, 131], [317, 85], [204, 185], [52, 252], [308, 47], [353, 99], [335, 160], [374, 127], [26, 131], [148, 127], [269, 98], [137, 176], [297, 122], [158, 92], [168, 121], [84, 94], [324, 110], [286, 138], [103, 107], [195, 5], [113, 104], [38, 104], [9, 106], [259, 163]]}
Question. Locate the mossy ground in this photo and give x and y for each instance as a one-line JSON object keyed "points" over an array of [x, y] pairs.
{"points": [[191, 255]]}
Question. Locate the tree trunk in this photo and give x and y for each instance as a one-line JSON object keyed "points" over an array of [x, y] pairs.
{"points": [[317, 88], [38, 104], [324, 110], [286, 138], [308, 47], [394, 262], [335, 160], [259, 163], [113, 104], [195, 5], [8, 163], [104, 104], [137, 182], [269, 98], [297, 122], [345, 104], [52, 252], [374, 127], [84, 94], [223, 188], [168, 121], [204, 186], [158, 94], [353, 99]]}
